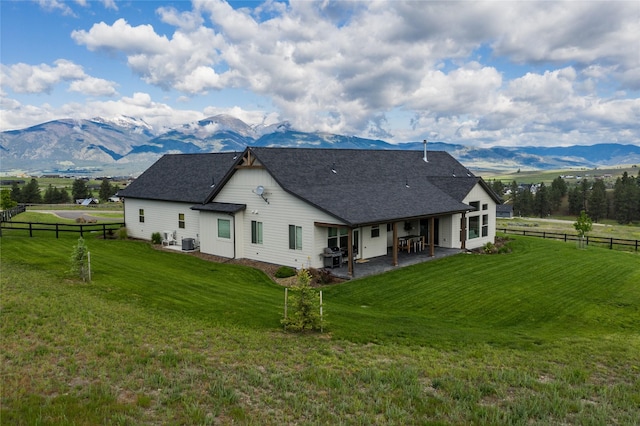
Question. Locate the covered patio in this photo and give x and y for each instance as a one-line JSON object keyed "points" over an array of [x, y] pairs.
{"points": [[380, 264]]}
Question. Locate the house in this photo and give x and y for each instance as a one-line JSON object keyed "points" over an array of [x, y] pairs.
{"points": [[287, 205], [504, 211], [87, 201]]}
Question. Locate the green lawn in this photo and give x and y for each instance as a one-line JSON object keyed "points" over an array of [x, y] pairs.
{"points": [[548, 334]]}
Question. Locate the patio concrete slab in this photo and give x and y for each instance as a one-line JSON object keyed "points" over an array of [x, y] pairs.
{"points": [[378, 265]]}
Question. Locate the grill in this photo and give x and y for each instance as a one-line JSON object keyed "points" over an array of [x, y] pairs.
{"points": [[332, 257]]}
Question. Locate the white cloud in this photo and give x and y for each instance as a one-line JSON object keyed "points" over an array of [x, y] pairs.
{"points": [[121, 37], [55, 5], [403, 70], [93, 87], [24, 78]]}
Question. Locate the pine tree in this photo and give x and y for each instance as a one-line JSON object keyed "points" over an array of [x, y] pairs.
{"points": [[16, 192], [575, 200], [31, 192], [542, 201], [79, 190], [626, 199], [106, 190], [598, 205], [304, 311], [558, 191]]}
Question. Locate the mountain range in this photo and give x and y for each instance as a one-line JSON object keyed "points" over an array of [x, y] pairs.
{"points": [[127, 145]]}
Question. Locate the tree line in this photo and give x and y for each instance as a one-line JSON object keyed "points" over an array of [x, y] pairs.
{"points": [[591, 196], [31, 193]]}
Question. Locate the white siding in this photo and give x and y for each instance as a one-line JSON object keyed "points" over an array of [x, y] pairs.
{"points": [[210, 242], [479, 194], [160, 216], [282, 210], [373, 247]]}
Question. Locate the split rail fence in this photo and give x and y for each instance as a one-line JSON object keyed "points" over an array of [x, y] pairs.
{"points": [[83, 228], [601, 241]]}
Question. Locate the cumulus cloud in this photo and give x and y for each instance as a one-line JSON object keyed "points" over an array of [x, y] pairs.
{"points": [[402, 70], [24, 78], [93, 87]]}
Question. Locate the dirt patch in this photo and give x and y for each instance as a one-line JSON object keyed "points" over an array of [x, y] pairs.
{"points": [[320, 276]]}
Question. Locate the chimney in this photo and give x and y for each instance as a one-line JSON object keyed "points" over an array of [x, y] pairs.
{"points": [[424, 142]]}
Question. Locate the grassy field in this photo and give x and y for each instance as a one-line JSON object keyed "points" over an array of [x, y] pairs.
{"points": [[606, 228], [547, 176], [545, 335]]}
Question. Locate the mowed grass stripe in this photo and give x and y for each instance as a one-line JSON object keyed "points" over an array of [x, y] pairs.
{"points": [[134, 272], [544, 289], [543, 286]]}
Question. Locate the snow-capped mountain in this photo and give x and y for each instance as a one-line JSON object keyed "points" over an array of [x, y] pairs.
{"points": [[127, 145]]}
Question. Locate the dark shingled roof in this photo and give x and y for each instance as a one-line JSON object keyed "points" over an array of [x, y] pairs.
{"points": [[181, 177], [371, 186], [357, 187]]}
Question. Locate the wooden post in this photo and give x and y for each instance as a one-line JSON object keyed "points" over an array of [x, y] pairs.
{"points": [[463, 231], [432, 236], [56, 230], [89, 265], [350, 252], [321, 311], [286, 293], [395, 243]]}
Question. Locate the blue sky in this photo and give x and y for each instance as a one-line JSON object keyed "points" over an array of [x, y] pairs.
{"points": [[477, 73]]}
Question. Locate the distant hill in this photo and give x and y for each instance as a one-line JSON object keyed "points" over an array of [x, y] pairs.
{"points": [[127, 145]]}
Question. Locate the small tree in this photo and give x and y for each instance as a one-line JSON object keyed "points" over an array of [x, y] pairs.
{"points": [[304, 310], [79, 190], [6, 202], [79, 258], [582, 225]]}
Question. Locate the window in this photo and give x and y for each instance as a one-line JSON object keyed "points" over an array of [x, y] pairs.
{"points": [[337, 237], [224, 228], [141, 215], [485, 207], [474, 227], [295, 237], [485, 225], [475, 205], [256, 232], [181, 220], [375, 231]]}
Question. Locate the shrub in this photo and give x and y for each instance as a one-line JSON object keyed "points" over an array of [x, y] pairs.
{"points": [[79, 259], [285, 272], [490, 248], [156, 238], [304, 310], [122, 233]]}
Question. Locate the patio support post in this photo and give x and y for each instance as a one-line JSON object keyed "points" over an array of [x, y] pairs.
{"points": [[350, 252], [463, 231], [395, 244], [432, 231]]}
